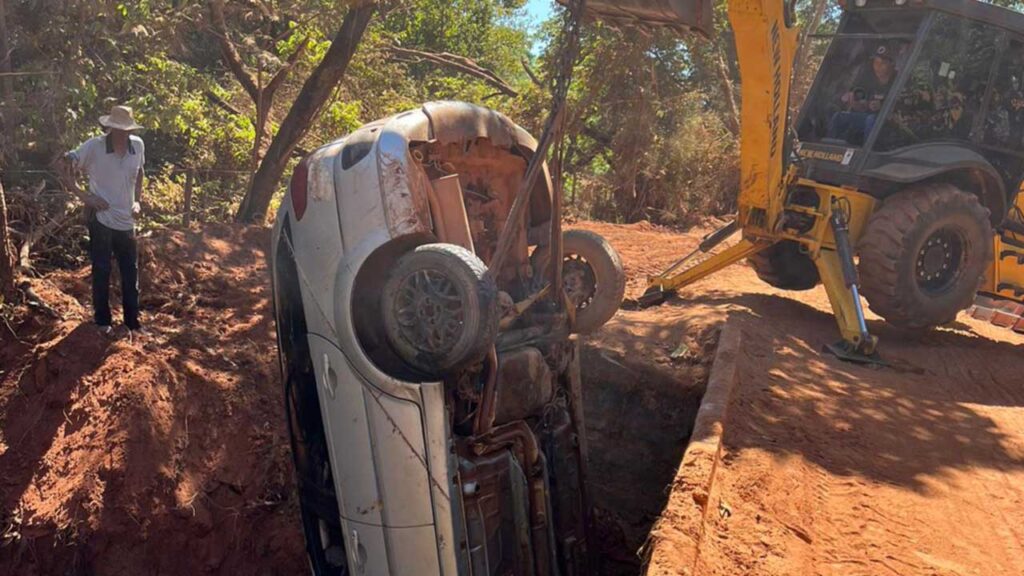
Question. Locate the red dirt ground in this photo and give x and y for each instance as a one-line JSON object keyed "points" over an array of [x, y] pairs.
{"points": [[831, 468], [168, 456]]}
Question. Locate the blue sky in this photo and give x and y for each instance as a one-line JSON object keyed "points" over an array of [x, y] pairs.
{"points": [[538, 10]]}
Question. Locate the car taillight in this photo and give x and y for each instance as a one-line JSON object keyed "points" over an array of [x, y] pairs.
{"points": [[299, 186]]}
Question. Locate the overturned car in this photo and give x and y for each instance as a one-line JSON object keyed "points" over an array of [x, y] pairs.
{"points": [[434, 403]]}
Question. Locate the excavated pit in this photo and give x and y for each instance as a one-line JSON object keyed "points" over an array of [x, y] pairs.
{"points": [[640, 410], [117, 459]]}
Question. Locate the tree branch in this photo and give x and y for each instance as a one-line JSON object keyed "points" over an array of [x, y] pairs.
{"points": [[533, 75], [227, 48], [282, 73], [222, 103], [460, 63]]}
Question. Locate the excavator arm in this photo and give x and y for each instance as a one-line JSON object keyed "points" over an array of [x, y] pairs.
{"points": [[765, 46], [766, 37]]}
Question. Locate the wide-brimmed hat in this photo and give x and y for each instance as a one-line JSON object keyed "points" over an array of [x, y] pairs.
{"points": [[120, 118]]}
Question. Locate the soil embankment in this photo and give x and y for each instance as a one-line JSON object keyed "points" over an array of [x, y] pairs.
{"points": [[171, 455]]}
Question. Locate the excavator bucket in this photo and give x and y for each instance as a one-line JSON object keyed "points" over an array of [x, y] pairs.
{"points": [[679, 15]]}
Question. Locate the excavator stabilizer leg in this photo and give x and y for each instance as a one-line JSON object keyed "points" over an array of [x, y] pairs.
{"points": [[857, 344], [668, 282]]}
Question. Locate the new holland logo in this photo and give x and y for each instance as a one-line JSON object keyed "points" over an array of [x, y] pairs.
{"points": [[843, 157]]}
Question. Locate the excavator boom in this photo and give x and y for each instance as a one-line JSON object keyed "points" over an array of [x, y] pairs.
{"points": [[766, 40], [761, 27]]}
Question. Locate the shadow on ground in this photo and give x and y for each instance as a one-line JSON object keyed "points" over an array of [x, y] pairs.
{"points": [[927, 415]]}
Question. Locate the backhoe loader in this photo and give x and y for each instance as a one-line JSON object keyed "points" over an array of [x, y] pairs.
{"points": [[898, 179]]}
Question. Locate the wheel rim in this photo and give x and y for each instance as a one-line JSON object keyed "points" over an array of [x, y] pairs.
{"points": [[429, 311], [579, 280], [940, 261]]}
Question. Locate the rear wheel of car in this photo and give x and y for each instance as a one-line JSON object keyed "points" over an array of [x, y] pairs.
{"points": [[592, 276], [784, 266], [924, 254], [440, 308]]}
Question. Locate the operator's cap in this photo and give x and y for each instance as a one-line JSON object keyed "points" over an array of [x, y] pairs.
{"points": [[883, 51]]}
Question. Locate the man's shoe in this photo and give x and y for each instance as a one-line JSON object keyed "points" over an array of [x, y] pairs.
{"points": [[106, 331]]}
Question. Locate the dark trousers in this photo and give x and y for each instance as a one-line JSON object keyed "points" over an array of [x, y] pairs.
{"points": [[102, 242], [853, 127]]}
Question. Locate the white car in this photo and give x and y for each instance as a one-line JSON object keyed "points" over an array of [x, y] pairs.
{"points": [[434, 405]]}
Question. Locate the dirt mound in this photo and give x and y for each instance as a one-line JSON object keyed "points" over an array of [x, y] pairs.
{"points": [[168, 455]]}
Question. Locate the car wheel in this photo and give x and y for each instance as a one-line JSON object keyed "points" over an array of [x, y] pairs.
{"points": [[924, 254], [440, 308], [592, 275], [784, 266]]}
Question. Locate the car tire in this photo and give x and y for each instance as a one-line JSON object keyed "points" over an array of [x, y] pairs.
{"points": [[592, 274], [784, 266], [440, 308], [924, 254]]}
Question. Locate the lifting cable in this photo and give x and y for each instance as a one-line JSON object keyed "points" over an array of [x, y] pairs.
{"points": [[568, 49]]}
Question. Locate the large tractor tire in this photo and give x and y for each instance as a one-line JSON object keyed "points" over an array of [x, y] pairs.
{"points": [[440, 307], [924, 254], [592, 275], [784, 266]]}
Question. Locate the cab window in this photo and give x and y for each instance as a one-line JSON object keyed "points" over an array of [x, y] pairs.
{"points": [[862, 65], [944, 92], [1004, 121]]}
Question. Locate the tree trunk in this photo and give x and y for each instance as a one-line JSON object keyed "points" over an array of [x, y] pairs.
{"points": [[315, 92], [7, 266], [809, 30], [262, 95]]}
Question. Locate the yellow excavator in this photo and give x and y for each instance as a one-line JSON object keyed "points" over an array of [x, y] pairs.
{"points": [[898, 179]]}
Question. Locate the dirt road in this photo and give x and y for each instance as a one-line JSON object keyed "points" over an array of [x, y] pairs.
{"points": [[830, 468], [836, 469]]}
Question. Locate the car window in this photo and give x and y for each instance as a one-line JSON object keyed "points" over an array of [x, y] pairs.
{"points": [[943, 94]]}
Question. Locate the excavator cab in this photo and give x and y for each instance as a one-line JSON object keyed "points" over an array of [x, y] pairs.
{"points": [[914, 92], [919, 106]]}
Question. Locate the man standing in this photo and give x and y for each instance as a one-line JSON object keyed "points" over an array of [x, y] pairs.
{"points": [[113, 163]]}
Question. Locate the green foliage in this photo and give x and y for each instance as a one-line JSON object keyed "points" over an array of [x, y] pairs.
{"points": [[648, 134]]}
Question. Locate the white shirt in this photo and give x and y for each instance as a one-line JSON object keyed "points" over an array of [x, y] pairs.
{"points": [[112, 177]]}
